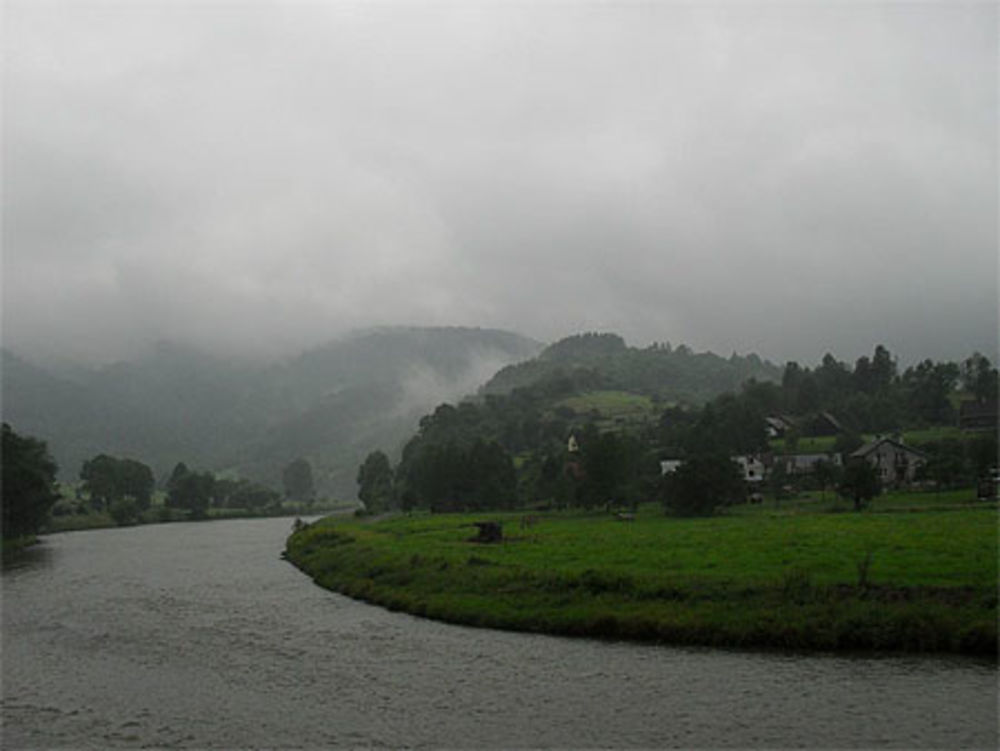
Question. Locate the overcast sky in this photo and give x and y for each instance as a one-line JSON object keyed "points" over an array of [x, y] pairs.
{"points": [[257, 176]]}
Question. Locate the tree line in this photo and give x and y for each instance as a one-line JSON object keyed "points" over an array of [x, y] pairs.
{"points": [[503, 450], [124, 487]]}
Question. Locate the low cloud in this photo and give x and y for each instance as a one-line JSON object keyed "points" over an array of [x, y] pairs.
{"points": [[260, 177]]}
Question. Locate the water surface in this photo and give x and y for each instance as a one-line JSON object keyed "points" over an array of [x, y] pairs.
{"points": [[200, 636]]}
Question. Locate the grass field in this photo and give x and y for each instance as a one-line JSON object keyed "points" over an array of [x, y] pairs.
{"points": [[911, 581], [612, 408]]}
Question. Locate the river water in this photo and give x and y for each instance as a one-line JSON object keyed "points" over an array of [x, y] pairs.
{"points": [[200, 636]]}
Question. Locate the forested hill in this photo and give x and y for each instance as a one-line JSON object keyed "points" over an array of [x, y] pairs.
{"points": [[331, 405], [604, 361]]}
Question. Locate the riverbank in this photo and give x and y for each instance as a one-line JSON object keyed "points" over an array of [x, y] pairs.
{"points": [[916, 582], [11, 549], [163, 515]]}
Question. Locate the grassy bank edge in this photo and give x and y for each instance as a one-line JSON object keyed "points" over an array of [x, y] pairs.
{"points": [[794, 615]]}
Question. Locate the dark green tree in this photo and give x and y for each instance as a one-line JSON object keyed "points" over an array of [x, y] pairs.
{"points": [[99, 480], [28, 484], [125, 483], [136, 482], [860, 482], [189, 490], [375, 482], [826, 474], [605, 468], [979, 378], [701, 484]]}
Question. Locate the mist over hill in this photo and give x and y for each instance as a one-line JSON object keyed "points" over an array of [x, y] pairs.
{"points": [[330, 405]]}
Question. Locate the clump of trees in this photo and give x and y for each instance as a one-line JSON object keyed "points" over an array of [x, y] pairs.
{"points": [[122, 487], [27, 484], [197, 492]]}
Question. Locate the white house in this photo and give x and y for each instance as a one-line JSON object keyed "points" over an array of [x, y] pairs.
{"points": [[669, 465], [896, 464], [752, 468]]}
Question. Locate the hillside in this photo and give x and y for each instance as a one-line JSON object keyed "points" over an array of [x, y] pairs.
{"points": [[660, 372], [330, 405]]}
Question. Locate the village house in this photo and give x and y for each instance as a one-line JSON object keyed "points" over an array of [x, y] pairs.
{"points": [[752, 468], [823, 424], [572, 446], [667, 466], [896, 463], [777, 426]]}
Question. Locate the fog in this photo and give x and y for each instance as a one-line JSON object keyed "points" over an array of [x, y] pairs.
{"points": [[259, 177]]}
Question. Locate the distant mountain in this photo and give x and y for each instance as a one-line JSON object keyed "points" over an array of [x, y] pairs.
{"points": [[331, 405], [604, 361]]}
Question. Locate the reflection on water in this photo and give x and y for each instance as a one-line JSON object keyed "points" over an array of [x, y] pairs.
{"points": [[198, 635]]}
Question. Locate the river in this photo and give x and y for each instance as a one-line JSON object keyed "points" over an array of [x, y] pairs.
{"points": [[200, 636]]}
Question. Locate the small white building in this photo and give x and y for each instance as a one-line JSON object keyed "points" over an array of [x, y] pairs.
{"points": [[752, 467], [669, 465]]}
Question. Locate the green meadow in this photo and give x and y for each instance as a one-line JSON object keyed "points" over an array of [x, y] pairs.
{"points": [[923, 581]]}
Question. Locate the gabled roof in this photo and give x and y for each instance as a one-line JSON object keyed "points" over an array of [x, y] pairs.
{"points": [[870, 447], [832, 420]]}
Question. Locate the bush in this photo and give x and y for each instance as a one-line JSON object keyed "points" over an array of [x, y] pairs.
{"points": [[124, 511]]}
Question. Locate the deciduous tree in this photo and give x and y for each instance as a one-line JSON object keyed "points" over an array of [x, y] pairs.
{"points": [[28, 483], [701, 484]]}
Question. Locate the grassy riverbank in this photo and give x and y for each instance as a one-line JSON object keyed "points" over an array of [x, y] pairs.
{"points": [[159, 514], [922, 581]]}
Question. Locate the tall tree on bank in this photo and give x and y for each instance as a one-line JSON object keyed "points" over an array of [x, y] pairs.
{"points": [[109, 480], [192, 491], [375, 479], [28, 484]]}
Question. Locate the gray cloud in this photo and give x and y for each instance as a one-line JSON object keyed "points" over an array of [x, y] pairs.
{"points": [[262, 176]]}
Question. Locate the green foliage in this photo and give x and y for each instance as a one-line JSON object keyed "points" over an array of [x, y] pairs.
{"points": [[860, 482], [584, 347], [979, 378], [451, 477], [190, 490], [27, 484], [124, 511], [701, 484], [109, 480], [604, 362], [375, 482]]}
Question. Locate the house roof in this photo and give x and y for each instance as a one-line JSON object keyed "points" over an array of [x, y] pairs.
{"points": [[832, 420], [873, 445]]}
